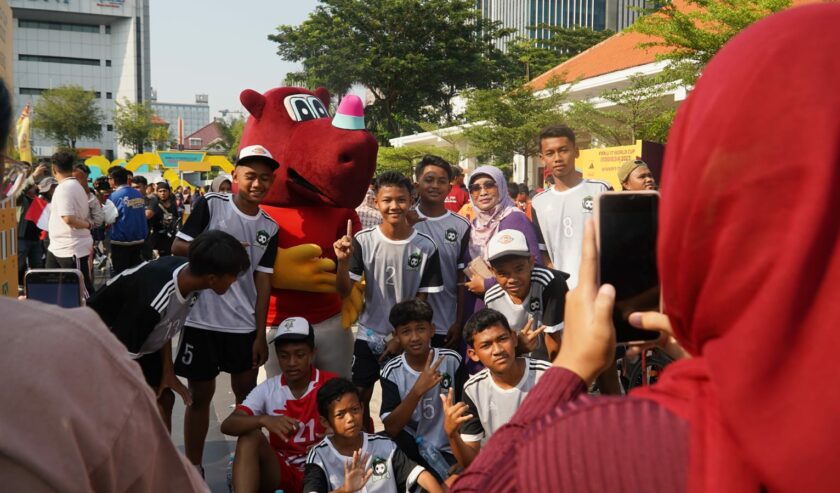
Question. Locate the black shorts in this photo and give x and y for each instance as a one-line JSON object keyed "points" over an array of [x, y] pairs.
{"points": [[203, 354], [365, 365], [152, 366]]}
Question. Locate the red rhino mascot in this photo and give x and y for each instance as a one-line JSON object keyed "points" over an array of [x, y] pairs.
{"points": [[326, 164]]}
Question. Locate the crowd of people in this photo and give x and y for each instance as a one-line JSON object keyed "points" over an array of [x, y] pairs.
{"points": [[486, 328]]}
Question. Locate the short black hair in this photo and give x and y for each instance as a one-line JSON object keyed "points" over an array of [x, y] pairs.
{"points": [[63, 161], [432, 160], [82, 167], [513, 190], [333, 390], [523, 188], [393, 179], [552, 131], [217, 252], [101, 184], [140, 180], [119, 175], [413, 310], [457, 171], [481, 320], [279, 342]]}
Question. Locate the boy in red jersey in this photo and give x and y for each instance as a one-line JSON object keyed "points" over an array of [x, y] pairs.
{"points": [[284, 405]]}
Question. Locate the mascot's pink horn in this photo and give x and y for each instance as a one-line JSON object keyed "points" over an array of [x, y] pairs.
{"points": [[350, 114]]}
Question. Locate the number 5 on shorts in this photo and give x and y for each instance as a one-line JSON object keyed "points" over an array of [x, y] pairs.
{"points": [[188, 355]]}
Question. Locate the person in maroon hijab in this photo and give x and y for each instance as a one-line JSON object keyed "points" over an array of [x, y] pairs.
{"points": [[750, 267]]}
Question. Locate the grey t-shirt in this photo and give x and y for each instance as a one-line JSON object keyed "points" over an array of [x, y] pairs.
{"points": [[490, 405], [233, 311], [398, 378], [451, 233], [394, 271]]}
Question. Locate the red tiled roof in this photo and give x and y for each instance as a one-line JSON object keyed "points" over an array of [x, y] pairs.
{"points": [[156, 120], [615, 53]]}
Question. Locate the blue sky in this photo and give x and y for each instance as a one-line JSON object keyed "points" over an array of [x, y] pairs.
{"points": [[219, 48]]}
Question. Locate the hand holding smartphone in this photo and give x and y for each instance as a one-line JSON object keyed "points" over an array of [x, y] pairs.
{"points": [[626, 232], [62, 287]]}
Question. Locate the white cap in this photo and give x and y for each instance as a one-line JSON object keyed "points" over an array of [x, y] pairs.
{"points": [[256, 153], [294, 329], [507, 242]]}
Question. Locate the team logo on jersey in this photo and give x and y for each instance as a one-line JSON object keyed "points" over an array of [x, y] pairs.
{"points": [[535, 305], [587, 203], [192, 300], [445, 381], [380, 469], [262, 237], [414, 261], [451, 235]]}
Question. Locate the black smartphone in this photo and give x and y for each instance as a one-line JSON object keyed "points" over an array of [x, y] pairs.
{"points": [[62, 287], [627, 225]]}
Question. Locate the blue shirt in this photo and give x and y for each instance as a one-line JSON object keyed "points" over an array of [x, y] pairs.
{"points": [[130, 227]]}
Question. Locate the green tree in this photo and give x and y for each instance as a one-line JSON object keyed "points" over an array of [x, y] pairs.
{"points": [[695, 30], [507, 122], [66, 114], [413, 55], [133, 124], [531, 57], [404, 159], [638, 111], [159, 136], [231, 135]]}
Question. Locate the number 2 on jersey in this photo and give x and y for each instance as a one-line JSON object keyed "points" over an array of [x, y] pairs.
{"points": [[392, 272]]}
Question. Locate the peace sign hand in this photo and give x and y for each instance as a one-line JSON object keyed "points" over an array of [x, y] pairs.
{"points": [[430, 377], [453, 414], [528, 339], [356, 473], [344, 246]]}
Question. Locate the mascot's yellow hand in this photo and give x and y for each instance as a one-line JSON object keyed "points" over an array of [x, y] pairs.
{"points": [[301, 268], [352, 305]]}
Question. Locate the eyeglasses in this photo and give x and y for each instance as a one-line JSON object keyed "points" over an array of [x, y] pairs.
{"points": [[487, 185]]}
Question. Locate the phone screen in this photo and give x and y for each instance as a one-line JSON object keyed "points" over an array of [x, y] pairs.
{"points": [[628, 225], [56, 288]]}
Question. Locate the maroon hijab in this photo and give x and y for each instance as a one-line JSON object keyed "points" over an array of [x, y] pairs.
{"points": [[749, 255]]}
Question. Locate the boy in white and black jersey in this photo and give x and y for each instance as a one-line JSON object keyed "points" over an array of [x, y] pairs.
{"points": [[227, 332], [398, 263], [412, 383], [491, 396], [146, 306], [560, 212], [351, 460], [451, 233], [526, 294]]}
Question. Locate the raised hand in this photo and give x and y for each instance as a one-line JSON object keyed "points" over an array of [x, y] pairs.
{"points": [[528, 338], [430, 377], [356, 472], [344, 246], [282, 426], [453, 414]]}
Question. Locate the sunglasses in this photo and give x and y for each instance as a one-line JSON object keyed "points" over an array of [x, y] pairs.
{"points": [[487, 185]]}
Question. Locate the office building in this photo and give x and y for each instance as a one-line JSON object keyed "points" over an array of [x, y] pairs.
{"points": [[100, 45], [194, 115], [525, 15]]}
